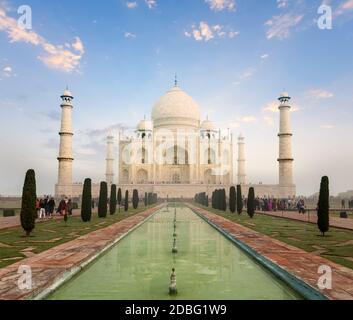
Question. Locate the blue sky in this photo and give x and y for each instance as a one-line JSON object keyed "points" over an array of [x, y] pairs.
{"points": [[234, 57]]}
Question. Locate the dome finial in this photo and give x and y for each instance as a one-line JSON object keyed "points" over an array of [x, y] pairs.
{"points": [[176, 80]]}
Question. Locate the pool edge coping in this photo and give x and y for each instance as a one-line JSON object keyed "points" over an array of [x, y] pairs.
{"points": [[298, 285]]}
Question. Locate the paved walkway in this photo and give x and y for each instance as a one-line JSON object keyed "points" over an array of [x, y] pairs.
{"points": [[302, 264], [50, 266], [311, 217]]}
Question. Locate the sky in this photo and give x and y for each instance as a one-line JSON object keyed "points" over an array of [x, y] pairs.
{"points": [[234, 57]]}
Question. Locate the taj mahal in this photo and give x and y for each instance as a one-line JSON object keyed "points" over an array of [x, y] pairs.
{"points": [[176, 154]]}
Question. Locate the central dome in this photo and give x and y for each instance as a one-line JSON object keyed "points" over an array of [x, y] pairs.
{"points": [[176, 108]]}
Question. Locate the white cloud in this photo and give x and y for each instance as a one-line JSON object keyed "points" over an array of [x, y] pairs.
{"points": [[220, 5], [65, 58], [320, 94], [248, 73], [151, 3], [7, 71], [129, 35], [280, 26], [131, 5], [272, 107], [282, 4], [264, 56], [247, 119], [206, 32], [270, 121], [233, 34], [344, 7]]}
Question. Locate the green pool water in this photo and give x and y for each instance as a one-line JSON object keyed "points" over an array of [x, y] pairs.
{"points": [[208, 266]]}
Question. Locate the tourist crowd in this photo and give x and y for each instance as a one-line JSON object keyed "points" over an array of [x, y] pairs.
{"points": [[46, 207], [273, 204]]}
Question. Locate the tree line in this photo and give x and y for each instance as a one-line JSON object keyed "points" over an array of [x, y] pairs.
{"points": [[115, 200], [28, 214]]}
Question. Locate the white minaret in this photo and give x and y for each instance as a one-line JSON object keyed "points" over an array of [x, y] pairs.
{"points": [[64, 186], [110, 159], [285, 159], [241, 161]]}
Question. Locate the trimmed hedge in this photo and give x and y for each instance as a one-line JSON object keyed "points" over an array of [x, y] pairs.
{"points": [[9, 213]]}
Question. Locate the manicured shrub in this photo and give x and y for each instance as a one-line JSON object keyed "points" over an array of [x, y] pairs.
{"points": [[223, 200], [113, 200], [251, 203], [120, 198], [232, 200], [126, 202], [103, 200], [87, 202], [240, 204], [28, 207], [135, 199], [9, 213], [323, 221], [74, 206]]}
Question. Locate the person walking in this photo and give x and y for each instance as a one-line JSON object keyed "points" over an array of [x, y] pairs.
{"points": [[69, 207], [51, 207], [38, 207], [42, 209], [62, 207]]}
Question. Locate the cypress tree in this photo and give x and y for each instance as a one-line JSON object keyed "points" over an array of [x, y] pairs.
{"points": [[213, 200], [323, 221], [86, 207], [146, 199], [239, 200], [28, 207], [224, 200], [120, 198], [113, 199], [103, 200], [126, 204], [135, 199], [232, 200], [251, 203]]}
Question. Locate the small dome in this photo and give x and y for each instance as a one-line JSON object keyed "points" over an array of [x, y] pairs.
{"points": [[67, 93], [176, 105], [145, 125], [284, 95], [208, 126]]}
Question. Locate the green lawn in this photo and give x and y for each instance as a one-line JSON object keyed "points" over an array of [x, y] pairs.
{"points": [[337, 246], [51, 233]]}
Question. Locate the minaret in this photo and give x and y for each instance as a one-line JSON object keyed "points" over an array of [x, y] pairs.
{"points": [[64, 186], [241, 161], [285, 159], [110, 159]]}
